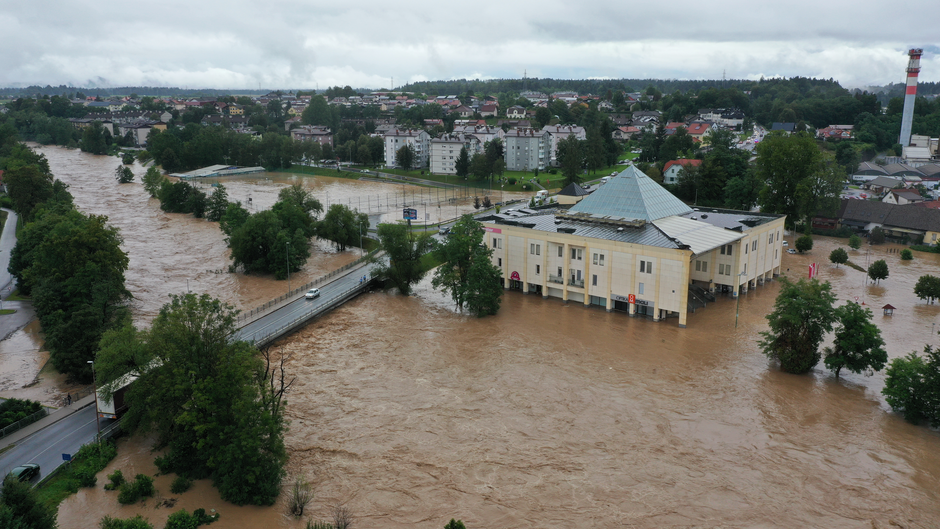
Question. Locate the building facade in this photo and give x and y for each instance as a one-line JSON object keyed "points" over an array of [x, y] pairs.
{"points": [[633, 247], [445, 149], [397, 138], [526, 149]]}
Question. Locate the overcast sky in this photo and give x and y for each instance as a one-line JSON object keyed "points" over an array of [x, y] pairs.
{"points": [[242, 44]]}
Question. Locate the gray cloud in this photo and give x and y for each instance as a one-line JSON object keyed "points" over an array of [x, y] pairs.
{"points": [[297, 43]]}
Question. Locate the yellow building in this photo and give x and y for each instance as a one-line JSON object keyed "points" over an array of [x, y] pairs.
{"points": [[632, 246]]}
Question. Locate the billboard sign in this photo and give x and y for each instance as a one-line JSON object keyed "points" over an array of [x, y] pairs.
{"points": [[409, 214]]}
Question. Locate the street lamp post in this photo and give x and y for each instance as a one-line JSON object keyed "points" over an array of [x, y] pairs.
{"points": [[288, 268], [94, 380], [738, 305]]}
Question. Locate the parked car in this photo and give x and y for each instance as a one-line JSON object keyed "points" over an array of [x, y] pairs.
{"points": [[444, 230], [785, 244], [312, 293], [25, 472], [791, 250]]}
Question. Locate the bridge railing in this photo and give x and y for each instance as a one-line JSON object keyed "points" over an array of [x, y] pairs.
{"points": [[264, 336], [24, 422], [248, 316]]}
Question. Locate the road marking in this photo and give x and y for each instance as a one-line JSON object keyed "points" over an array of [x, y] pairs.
{"points": [[60, 440]]}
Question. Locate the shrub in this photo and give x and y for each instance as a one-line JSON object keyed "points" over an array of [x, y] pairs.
{"points": [[907, 254], [511, 181], [116, 478], [912, 386], [553, 171], [455, 524], [183, 520], [526, 187], [315, 524], [180, 485], [300, 496], [86, 477], [127, 158], [142, 487], [136, 522], [12, 410]]}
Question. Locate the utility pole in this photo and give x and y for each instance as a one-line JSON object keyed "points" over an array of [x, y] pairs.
{"points": [[288, 268]]}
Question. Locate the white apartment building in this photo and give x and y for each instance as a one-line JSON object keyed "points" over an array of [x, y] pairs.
{"points": [[484, 133], [445, 149], [526, 149], [561, 132], [397, 138], [632, 246]]}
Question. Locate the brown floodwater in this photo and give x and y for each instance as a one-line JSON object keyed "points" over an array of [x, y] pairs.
{"points": [[546, 415], [552, 415]]}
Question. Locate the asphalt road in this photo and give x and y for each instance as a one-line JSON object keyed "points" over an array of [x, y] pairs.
{"points": [[46, 446], [297, 308]]}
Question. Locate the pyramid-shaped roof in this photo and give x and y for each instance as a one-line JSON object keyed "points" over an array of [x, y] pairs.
{"points": [[574, 190], [631, 196]]}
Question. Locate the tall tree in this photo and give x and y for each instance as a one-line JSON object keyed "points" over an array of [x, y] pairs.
{"points": [[570, 156], [462, 165], [206, 396], [839, 256], [217, 204], [28, 186], [858, 344], [405, 157], [21, 508], [403, 249], [912, 386], [801, 318], [928, 288], [343, 226]]}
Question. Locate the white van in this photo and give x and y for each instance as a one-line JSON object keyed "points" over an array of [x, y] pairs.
{"points": [[605, 180], [541, 194]]}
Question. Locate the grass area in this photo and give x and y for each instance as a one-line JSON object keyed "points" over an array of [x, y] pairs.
{"points": [[3, 219], [7, 311], [429, 261], [627, 155], [16, 296], [321, 171], [80, 472], [855, 266]]}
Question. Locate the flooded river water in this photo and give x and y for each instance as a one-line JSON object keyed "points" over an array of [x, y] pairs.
{"points": [[553, 415]]}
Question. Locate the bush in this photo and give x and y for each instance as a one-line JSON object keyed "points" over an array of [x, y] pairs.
{"points": [[142, 487], [526, 187], [511, 181], [553, 171], [804, 243], [300, 496], [13, 410], [116, 478], [180, 485], [183, 520], [136, 522], [907, 254], [912, 386], [86, 477]]}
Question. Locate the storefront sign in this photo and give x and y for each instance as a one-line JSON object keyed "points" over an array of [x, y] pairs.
{"points": [[493, 230], [514, 276], [618, 297], [644, 303]]}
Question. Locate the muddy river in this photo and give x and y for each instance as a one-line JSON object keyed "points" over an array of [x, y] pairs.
{"points": [[552, 415]]}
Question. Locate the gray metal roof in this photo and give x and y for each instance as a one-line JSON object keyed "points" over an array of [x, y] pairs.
{"points": [[631, 196], [700, 236], [647, 234]]}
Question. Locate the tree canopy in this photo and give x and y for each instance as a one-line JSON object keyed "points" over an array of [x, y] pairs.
{"points": [[343, 226], [839, 256], [927, 288], [402, 266], [878, 270], [858, 344], [466, 271], [801, 318]]}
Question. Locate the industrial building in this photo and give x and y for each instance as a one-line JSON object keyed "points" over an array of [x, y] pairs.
{"points": [[632, 246]]}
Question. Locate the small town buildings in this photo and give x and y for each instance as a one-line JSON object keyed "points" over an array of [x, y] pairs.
{"points": [[515, 112], [559, 133], [571, 194], [319, 134], [624, 133], [489, 111], [901, 197], [481, 130], [526, 149], [789, 128], [632, 246], [672, 168], [445, 149], [700, 129], [397, 138]]}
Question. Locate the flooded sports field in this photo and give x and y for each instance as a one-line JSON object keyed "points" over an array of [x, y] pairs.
{"points": [[553, 415]]}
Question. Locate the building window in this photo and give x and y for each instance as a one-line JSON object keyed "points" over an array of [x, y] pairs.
{"points": [[599, 259], [560, 254], [535, 249], [639, 289], [499, 262], [770, 239], [646, 267], [594, 280], [721, 269], [559, 271], [745, 248], [729, 249], [577, 254], [704, 266], [745, 268], [497, 242], [538, 269], [722, 249], [753, 247]]}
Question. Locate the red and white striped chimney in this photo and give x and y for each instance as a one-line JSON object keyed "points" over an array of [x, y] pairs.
{"points": [[910, 93]]}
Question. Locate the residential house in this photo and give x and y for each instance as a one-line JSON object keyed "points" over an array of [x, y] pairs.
{"points": [[901, 197], [789, 128], [397, 138], [515, 112], [319, 134], [725, 117], [699, 130], [559, 133], [672, 168], [514, 123], [445, 149], [882, 184], [624, 133], [481, 130], [526, 149], [489, 111], [572, 194], [464, 111]]}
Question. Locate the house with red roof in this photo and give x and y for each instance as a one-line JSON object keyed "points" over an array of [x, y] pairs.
{"points": [[624, 133], [699, 129], [489, 110], [672, 168]]}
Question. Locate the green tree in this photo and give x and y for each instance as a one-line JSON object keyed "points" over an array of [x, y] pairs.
{"points": [[28, 186], [405, 157], [877, 236], [466, 271], [878, 270], [855, 242], [907, 254], [804, 243], [317, 113], [20, 507], [479, 167], [263, 244], [127, 158], [570, 157], [455, 524], [217, 204], [928, 288], [153, 180], [912, 386], [343, 226], [123, 174], [209, 399], [403, 248], [839, 256], [95, 139], [462, 165], [182, 197], [858, 344], [801, 318], [798, 182], [137, 522], [234, 217]]}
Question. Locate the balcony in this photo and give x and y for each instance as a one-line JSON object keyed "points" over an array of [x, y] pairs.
{"points": [[576, 282], [556, 279]]}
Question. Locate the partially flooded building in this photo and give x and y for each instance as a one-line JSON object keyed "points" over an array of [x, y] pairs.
{"points": [[632, 246]]}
